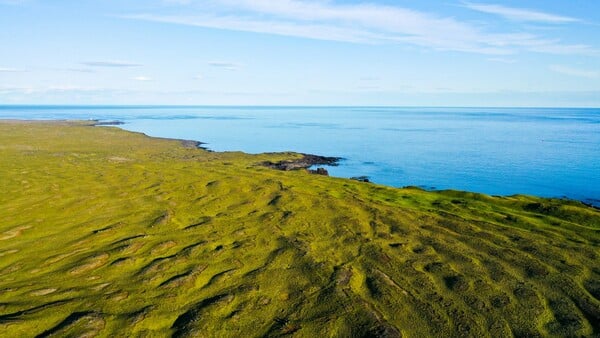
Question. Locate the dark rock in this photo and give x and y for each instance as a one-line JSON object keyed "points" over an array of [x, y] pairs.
{"points": [[361, 179], [319, 171], [193, 144], [108, 123], [305, 162]]}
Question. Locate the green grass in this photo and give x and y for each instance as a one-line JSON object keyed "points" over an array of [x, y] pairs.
{"points": [[111, 233]]}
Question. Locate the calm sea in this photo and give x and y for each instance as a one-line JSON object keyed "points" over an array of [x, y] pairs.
{"points": [[499, 151]]}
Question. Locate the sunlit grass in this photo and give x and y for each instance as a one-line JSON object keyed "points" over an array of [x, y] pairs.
{"points": [[113, 233]]}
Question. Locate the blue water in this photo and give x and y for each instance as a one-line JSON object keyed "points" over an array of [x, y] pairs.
{"points": [[499, 151]]}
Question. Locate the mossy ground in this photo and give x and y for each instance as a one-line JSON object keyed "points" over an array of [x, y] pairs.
{"points": [[110, 233]]}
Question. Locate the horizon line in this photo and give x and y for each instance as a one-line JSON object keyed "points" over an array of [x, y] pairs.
{"points": [[276, 106]]}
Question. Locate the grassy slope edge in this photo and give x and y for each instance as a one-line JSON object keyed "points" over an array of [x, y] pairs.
{"points": [[111, 233]]}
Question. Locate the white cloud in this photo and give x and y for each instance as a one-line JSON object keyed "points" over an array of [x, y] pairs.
{"points": [[520, 14], [552, 48], [178, 2], [566, 70], [11, 90], [65, 88], [79, 90], [502, 60], [78, 70], [11, 70], [142, 78], [224, 65], [13, 2], [359, 23], [111, 64]]}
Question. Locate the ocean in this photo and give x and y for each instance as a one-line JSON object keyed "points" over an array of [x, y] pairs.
{"points": [[549, 152]]}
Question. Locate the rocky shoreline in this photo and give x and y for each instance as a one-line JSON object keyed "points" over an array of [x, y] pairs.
{"points": [[107, 123], [305, 162]]}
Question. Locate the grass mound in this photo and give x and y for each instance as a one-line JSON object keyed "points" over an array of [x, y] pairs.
{"points": [[111, 233]]}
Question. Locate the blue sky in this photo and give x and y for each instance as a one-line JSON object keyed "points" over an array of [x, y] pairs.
{"points": [[301, 52]]}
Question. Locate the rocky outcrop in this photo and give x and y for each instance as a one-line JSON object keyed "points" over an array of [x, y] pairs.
{"points": [[108, 123], [319, 171], [305, 162]]}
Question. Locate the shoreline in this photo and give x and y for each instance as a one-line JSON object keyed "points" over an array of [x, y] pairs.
{"points": [[184, 142], [304, 163], [310, 160]]}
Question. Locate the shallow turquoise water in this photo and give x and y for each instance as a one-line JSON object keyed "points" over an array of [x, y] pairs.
{"points": [[500, 151]]}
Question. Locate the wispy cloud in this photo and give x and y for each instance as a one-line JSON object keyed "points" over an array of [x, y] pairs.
{"points": [[13, 2], [224, 65], [567, 70], [62, 89], [364, 23], [368, 87], [111, 64], [178, 2], [11, 70], [369, 78], [520, 14], [502, 60], [78, 70], [142, 78]]}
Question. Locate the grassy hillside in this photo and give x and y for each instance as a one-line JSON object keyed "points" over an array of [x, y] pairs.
{"points": [[110, 233]]}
